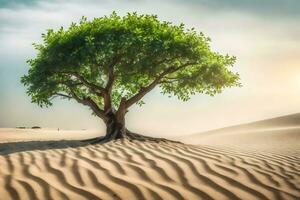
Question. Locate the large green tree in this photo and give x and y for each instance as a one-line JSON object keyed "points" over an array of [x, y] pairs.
{"points": [[110, 63]]}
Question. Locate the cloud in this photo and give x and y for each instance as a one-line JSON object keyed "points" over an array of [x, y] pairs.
{"points": [[274, 8], [17, 3], [265, 8]]}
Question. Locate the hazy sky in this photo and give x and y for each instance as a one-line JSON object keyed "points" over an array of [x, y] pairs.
{"points": [[264, 35]]}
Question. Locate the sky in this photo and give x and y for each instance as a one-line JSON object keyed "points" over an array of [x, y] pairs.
{"points": [[264, 35]]}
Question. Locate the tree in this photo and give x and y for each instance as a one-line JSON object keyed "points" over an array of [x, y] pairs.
{"points": [[112, 62]]}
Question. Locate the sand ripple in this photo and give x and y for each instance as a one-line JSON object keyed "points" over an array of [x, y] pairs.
{"points": [[147, 170]]}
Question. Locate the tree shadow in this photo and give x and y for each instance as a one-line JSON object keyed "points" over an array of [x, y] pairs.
{"points": [[13, 147]]}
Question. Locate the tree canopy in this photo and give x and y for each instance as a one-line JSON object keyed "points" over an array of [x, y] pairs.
{"points": [[111, 62]]}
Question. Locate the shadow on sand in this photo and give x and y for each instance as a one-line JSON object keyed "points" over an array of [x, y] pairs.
{"points": [[13, 147]]}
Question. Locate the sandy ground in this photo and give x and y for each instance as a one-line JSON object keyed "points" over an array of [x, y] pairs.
{"points": [[253, 161], [281, 134], [44, 134]]}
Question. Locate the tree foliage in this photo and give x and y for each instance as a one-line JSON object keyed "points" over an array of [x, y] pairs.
{"points": [[113, 61]]}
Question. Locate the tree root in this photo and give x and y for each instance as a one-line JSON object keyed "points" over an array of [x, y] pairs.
{"points": [[129, 136], [134, 136]]}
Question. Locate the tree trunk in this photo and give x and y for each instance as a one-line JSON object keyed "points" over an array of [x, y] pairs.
{"points": [[115, 129]]}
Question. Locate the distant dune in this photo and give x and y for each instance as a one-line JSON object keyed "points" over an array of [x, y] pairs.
{"points": [[255, 161], [276, 134]]}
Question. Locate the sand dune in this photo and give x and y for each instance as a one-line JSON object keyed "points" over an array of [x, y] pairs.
{"points": [[147, 170], [258, 160], [276, 134]]}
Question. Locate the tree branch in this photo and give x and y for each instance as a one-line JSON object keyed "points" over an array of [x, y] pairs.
{"points": [[168, 81], [144, 90], [98, 90], [111, 76], [63, 95], [109, 84], [89, 102], [85, 101]]}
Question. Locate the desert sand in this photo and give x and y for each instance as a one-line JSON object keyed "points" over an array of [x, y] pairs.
{"points": [[260, 160], [280, 134]]}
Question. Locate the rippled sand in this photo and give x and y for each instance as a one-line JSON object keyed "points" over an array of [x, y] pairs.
{"points": [[145, 170]]}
